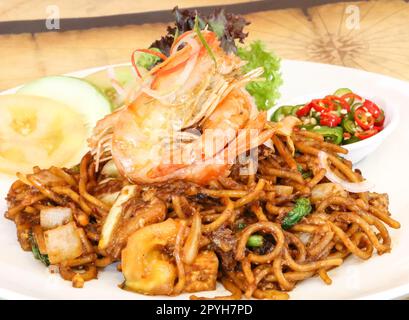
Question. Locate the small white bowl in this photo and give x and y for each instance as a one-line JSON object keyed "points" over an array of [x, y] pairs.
{"points": [[358, 150]]}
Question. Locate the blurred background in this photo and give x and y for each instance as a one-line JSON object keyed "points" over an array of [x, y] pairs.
{"points": [[46, 37]]}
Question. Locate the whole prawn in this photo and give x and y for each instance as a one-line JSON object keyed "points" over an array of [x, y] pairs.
{"points": [[194, 89]]}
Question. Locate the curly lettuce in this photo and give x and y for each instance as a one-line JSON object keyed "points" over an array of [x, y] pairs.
{"points": [[228, 27], [265, 92], [230, 30]]}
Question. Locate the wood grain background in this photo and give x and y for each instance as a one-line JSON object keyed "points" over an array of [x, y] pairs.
{"points": [[319, 33]]}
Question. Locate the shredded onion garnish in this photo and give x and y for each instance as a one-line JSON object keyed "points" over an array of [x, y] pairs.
{"points": [[114, 81], [184, 76], [169, 98], [180, 40], [191, 247], [354, 187], [269, 144]]}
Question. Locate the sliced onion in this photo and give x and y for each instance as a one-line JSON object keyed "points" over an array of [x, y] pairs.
{"points": [[109, 198], [325, 190], [184, 76], [63, 243], [114, 216], [182, 40], [354, 187], [169, 98], [54, 217], [110, 170], [269, 144], [286, 126], [282, 190], [114, 81], [191, 247]]}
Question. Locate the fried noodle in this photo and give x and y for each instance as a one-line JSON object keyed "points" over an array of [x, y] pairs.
{"points": [[221, 218]]}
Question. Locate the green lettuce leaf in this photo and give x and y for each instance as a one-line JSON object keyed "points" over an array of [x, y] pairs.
{"points": [[147, 60], [264, 92]]}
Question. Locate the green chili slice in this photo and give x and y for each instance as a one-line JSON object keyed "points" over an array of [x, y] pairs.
{"points": [[333, 135], [203, 40], [342, 91], [353, 139], [348, 125], [281, 113]]}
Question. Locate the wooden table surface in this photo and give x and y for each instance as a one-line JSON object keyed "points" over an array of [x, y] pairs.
{"points": [[327, 33]]}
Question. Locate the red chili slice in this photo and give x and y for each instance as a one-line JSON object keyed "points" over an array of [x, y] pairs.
{"points": [[372, 108], [322, 105], [363, 120], [351, 96], [367, 134], [304, 111], [379, 121], [149, 51], [329, 119], [344, 104]]}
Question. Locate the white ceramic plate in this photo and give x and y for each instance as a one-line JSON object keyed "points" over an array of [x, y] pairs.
{"points": [[382, 277]]}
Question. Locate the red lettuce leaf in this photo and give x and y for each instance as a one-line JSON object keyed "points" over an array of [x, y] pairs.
{"points": [[228, 27]]}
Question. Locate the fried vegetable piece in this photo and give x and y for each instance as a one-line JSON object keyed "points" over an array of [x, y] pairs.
{"points": [[301, 209], [147, 268], [201, 275]]}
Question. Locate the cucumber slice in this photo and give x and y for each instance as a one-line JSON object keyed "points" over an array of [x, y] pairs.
{"points": [[78, 94], [123, 74], [342, 91]]}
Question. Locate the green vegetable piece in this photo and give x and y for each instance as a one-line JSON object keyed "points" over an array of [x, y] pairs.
{"points": [[333, 135], [356, 106], [295, 109], [301, 209], [305, 174], [348, 125], [281, 113], [308, 127], [265, 92], [342, 91], [241, 226], [353, 139], [147, 60], [203, 40], [255, 241], [218, 24], [36, 252]]}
